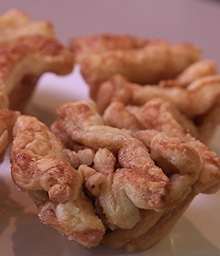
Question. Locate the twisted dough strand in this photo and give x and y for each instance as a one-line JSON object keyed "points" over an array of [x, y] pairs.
{"points": [[204, 90]]}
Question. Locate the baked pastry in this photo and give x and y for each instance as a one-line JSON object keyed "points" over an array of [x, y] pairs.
{"points": [[139, 60], [134, 70], [16, 24], [123, 186], [198, 102], [27, 50], [122, 169], [44, 168], [84, 46]]}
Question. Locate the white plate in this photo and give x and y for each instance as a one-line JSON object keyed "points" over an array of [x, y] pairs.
{"points": [[22, 234]]}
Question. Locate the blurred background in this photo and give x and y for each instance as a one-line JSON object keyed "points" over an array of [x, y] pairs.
{"points": [[195, 21]]}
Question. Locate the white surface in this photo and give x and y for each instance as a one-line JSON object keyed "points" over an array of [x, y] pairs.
{"points": [[21, 233]]}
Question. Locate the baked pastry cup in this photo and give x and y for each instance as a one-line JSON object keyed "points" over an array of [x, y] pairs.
{"points": [[27, 51], [99, 181], [131, 70]]}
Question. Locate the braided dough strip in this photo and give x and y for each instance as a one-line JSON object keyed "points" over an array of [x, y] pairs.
{"points": [[16, 24], [205, 90], [155, 61], [84, 46], [168, 118]]}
